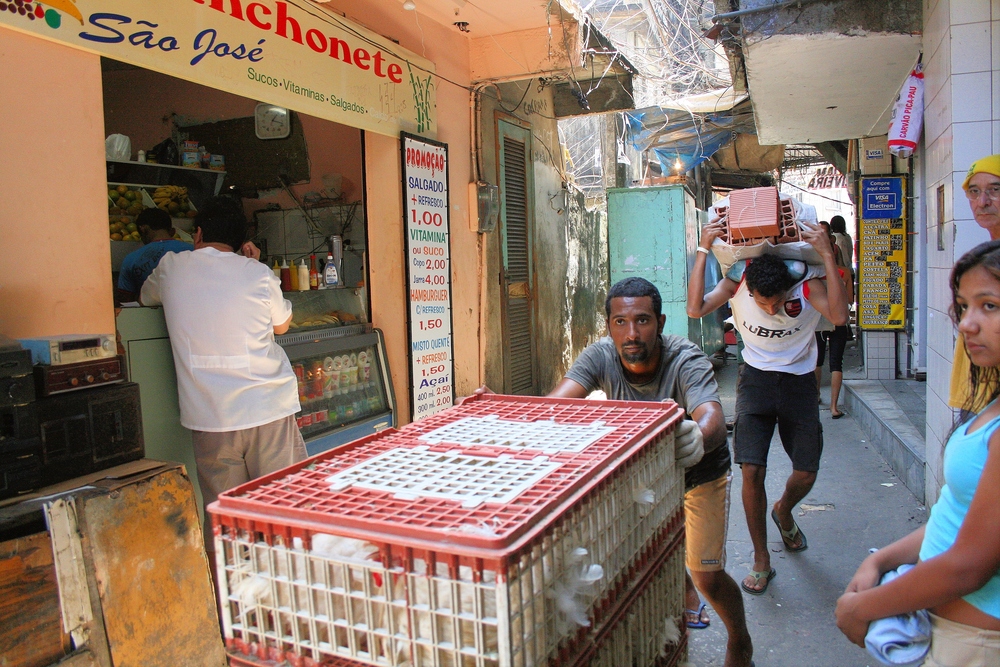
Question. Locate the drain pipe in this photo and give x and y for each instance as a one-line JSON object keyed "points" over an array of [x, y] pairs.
{"points": [[756, 10]]}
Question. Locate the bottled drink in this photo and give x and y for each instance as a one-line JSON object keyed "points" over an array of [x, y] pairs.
{"points": [[313, 273]]}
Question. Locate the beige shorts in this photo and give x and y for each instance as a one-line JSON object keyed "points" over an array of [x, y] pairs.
{"points": [[706, 521], [959, 645], [226, 459]]}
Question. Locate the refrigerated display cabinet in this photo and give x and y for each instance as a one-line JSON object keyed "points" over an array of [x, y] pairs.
{"points": [[344, 385]]}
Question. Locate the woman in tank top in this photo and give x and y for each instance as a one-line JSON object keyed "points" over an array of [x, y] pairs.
{"points": [[957, 576]]}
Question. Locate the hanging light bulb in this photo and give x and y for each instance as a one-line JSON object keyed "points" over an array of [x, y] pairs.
{"points": [[409, 5], [677, 164]]}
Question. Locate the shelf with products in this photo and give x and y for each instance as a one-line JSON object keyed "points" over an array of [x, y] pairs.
{"points": [[293, 235], [200, 183]]}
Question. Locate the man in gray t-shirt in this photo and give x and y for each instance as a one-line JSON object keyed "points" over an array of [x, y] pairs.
{"points": [[638, 363]]}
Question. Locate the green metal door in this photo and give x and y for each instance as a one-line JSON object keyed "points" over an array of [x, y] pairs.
{"points": [[652, 234], [516, 283]]}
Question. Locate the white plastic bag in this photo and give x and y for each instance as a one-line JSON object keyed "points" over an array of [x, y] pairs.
{"points": [[118, 147], [907, 115]]}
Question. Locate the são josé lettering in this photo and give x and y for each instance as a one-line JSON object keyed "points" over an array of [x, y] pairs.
{"points": [[205, 42]]}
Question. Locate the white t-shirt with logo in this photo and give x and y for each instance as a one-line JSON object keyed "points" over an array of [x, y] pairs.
{"points": [[221, 309], [782, 342]]}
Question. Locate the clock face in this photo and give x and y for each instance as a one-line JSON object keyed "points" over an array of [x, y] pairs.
{"points": [[272, 122]]}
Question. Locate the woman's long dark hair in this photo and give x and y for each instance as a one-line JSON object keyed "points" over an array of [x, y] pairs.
{"points": [[985, 380]]}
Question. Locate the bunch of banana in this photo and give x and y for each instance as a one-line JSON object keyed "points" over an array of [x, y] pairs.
{"points": [[173, 199]]}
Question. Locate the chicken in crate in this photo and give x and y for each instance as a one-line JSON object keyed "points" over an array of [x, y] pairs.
{"points": [[506, 531]]}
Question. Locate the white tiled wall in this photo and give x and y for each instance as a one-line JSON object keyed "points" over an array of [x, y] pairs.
{"points": [[880, 355], [962, 112]]}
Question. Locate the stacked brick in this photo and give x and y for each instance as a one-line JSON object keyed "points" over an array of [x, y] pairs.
{"points": [[756, 215]]}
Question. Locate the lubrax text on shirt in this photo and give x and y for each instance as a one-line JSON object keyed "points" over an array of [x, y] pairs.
{"points": [[764, 332]]}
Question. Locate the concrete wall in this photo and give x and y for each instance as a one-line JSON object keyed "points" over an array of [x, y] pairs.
{"points": [[962, 123], [55, 272], [851, 17], [570, 245]]}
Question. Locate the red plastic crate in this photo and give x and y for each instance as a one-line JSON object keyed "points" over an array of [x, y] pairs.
{"points": [[633, 631], [300, 494], [648, 628], [447, 583]]}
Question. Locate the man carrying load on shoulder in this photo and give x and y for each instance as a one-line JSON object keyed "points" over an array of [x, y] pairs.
{"points": [[776, 305]]}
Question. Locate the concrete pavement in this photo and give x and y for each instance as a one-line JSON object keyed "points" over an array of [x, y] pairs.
{"points": [[857, 503]]}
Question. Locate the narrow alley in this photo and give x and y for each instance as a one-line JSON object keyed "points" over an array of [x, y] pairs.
{"points": [[333, 281], [858, 503]]}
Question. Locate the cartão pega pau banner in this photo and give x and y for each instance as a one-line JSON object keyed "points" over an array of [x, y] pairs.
{"points": [[293, 54]]}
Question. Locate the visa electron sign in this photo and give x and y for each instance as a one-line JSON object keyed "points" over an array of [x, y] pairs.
{"points": [[293, 54]]}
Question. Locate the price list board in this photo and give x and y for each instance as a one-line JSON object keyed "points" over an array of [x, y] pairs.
{"points": [[428, 270], [882, 253]]}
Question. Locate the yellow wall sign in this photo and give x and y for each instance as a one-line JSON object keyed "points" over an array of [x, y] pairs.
{"points": [[882, 253], [292, 53]]}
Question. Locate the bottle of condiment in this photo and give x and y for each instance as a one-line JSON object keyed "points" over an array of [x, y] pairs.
{"points": [[293, 278], [303, 276], [331, 278], [313, 273], [141, 156], [276, 269], [286, 276]]}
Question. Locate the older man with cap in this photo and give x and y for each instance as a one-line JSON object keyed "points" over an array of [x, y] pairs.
{"points": [[982, 187]]}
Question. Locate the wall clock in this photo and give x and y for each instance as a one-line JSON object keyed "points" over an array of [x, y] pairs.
{"points": [[271, 121]]}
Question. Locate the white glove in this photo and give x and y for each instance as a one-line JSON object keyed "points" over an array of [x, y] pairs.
{"points": [[689, 443]]}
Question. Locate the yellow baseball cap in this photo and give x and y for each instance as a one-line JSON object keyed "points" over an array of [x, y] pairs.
{"points": [[988, 165]]}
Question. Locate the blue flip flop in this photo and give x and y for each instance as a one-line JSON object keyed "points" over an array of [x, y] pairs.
{"points": [[699, 624]]}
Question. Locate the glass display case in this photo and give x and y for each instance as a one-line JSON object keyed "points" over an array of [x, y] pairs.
{"points": [[341, 307], [344, 385]]}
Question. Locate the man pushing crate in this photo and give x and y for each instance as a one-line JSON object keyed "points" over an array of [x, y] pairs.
{"points": [[637, 362]]}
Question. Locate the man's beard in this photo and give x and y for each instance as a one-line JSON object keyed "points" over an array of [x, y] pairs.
{"points": [[638, 357]]}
